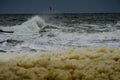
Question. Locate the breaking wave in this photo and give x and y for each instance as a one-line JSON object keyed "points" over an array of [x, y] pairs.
{"points": [[36, 34]]}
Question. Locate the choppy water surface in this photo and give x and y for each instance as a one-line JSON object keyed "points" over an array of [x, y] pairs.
{"points": [[22, 33]]}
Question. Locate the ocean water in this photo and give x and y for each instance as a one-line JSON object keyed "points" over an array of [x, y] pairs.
{"points": [[51, 32]]}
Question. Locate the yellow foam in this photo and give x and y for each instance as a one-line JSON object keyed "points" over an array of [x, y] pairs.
{"points": [[86, 64]]}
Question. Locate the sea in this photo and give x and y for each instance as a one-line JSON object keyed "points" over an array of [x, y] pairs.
{"points": [[58, 32]]}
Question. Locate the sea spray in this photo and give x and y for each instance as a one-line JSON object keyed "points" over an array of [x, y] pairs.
{"points": [[59, 33]]}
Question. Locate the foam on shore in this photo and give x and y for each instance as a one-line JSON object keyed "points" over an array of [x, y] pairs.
{"points": [[86, 64]]}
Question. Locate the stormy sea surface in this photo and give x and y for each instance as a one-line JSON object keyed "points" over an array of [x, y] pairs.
{"points": [[51, 32]]}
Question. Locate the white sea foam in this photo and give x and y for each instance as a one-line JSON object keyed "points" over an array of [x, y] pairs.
{"points": [[36, 34]]}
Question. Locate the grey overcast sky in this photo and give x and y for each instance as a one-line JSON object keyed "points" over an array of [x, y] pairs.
{"points": [[59, 6]]}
